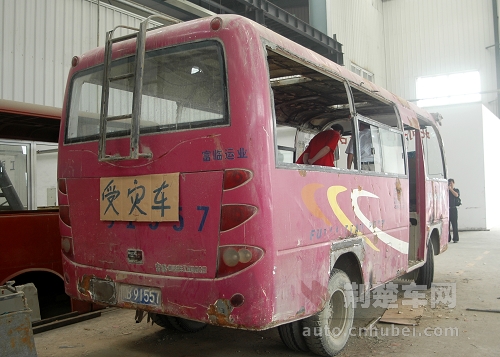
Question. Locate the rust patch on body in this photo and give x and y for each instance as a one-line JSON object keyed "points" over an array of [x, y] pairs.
{"points": [[414, 122], [219, 313], [303, 173], [403, 102], [398, 189], [83, 284]]}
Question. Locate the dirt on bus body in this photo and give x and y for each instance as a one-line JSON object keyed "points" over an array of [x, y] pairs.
{"points": [[443, 330]]}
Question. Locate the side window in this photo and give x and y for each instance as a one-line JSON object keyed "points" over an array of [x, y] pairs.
{"points": [[340, 153], [302, 140], [285, 137], [380, 136], [15, 175], [376, 150], [367, 147], [433, 156], [432, 153], [391, 145]]}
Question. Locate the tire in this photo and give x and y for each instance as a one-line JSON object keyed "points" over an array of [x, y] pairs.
{"points": [[161, 320], [426, 272], [326, 333], [292, 336], [177, 323], [185, 325]]}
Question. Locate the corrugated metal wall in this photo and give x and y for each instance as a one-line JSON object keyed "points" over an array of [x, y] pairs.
{"points": [[401, 40], [358, 25], [38, 38], [429, 37], [298, 8]]}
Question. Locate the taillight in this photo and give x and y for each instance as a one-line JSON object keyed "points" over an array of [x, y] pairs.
{"points": [[67, 246], [236, 177], [235, 258], [234, 215], [61, 184], [64, 215]]}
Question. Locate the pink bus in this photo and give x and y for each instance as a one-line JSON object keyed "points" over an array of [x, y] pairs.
{"points": [[180, 196]]}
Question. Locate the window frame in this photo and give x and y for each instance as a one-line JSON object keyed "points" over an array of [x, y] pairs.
{"points": [[157, 129], [424, 125]]}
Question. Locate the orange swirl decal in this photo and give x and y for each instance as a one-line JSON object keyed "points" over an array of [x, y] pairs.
{"points": [[308, 192], [308, 199]]}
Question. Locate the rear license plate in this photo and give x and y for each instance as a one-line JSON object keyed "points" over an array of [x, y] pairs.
{"points": [[139, 295]]}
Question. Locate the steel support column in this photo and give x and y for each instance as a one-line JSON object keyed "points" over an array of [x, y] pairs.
{"points": [[497, 50]]}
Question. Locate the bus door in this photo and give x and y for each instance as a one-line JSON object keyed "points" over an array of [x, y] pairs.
{"points": [[378, 156], [416, 175], [436, 185], [427, 192]]}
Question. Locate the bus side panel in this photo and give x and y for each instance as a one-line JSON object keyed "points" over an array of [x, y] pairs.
{"points": [[442, 202], [301, 280], [437, 211], [321, 210]]}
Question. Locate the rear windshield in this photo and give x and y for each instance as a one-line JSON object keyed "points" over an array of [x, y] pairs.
{"points": [[184, 87]]}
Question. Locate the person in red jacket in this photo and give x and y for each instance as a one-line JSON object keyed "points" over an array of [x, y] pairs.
{"points": [[322, 147]]}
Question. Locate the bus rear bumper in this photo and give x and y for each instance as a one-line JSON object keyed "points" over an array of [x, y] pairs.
{"points": [[221, 302]]}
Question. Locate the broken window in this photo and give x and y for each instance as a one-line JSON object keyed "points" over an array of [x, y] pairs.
{"points": [[306, 101]]}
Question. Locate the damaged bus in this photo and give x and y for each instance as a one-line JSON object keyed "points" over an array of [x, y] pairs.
{"points": [[180, 196]]}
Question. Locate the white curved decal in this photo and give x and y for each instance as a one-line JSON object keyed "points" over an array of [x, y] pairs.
{"points": [[395, 243]]}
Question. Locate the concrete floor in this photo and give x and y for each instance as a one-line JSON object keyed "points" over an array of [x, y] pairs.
{"points": [[472, 264]]}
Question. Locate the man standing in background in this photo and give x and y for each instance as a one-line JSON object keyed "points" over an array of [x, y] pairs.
{"points": [[454, 195], [365, 147]]}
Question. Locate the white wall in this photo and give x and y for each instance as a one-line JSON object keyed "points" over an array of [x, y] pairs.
{"points": [[471, 146], [491, 129]]}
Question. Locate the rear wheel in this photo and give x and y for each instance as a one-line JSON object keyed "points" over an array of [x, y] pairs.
{"points": [[327, 332], [160, 320], [178, 323], [185, 325], [292, 336], [426, 272]]}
